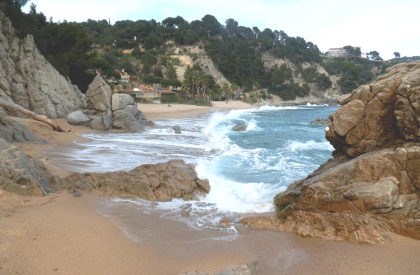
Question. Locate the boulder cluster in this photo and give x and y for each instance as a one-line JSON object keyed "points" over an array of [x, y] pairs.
{"points": [[106, 110]]}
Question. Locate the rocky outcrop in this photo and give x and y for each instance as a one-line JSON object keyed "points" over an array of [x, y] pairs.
{"points": [[372, 185], [29, 80], [106, 110], [11, 130], [22, 175], [163, 181], [379, 114]]}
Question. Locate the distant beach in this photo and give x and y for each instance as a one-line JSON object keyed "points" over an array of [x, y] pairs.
{"points": [[165, 111]]}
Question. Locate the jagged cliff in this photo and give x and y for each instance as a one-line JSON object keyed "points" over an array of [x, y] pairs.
{"points": [[29, 80], [372, 185]]}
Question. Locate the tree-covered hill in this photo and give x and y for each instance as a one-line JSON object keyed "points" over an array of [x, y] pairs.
{"points": [[248, 59]]}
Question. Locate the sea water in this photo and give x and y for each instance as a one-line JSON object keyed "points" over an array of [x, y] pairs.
{"points": [[245, 169]]}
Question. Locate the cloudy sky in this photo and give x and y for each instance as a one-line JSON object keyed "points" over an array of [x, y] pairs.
{"points": [[382, 25]]}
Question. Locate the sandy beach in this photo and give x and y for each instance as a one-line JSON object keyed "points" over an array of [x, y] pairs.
{"points": [[167, 111], [61, 234]]}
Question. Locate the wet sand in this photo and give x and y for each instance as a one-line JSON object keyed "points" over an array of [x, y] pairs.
{"points": [[61, 234]]}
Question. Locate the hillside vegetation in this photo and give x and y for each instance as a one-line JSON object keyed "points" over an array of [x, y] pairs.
{"points": [[202, 57]]}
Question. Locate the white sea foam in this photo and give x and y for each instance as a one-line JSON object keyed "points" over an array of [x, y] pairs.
{"points": [[252, 126], [236, 197], [316, 105], [279, 108], [308, 145]]}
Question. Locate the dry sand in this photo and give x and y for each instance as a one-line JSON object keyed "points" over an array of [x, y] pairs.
{"points": [[166, 111], [60, 234]]}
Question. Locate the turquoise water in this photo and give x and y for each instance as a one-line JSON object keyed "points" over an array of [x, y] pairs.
{"points": [[245, 169]]}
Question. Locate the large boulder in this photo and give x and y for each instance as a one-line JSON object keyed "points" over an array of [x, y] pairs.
{"points": [[22, 175], [163, 181], [28, 79], [77, 118], [126, 115], [372, 185]]}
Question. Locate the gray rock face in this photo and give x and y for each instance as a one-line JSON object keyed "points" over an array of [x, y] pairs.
{"points": [[11, 130], [98, 95], [120, 101], [125, 114], [99, 100], [77, 118], [22, 175], [28, 79]]}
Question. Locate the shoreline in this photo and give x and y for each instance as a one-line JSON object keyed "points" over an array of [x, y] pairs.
{"points": [[64, 234]]}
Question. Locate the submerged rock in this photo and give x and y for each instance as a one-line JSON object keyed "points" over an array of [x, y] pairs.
{"points": [[372, 185], [320, 121], [162, 181], [177, 130], [240, 127]]}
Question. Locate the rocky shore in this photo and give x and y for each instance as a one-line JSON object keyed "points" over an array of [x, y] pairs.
{"points": [[367, 191], [371, 186]]}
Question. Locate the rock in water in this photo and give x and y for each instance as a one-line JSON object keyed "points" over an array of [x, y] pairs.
{"points": [[177, 129], [372, 185], [240, 127], [162, 181], [320, 121], [29, 80]]}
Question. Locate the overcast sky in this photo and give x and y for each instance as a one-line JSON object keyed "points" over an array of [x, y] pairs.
{"points": [[385, 26]]}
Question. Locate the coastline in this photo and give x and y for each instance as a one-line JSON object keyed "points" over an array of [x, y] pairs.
{"points": [[60, 233]]}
